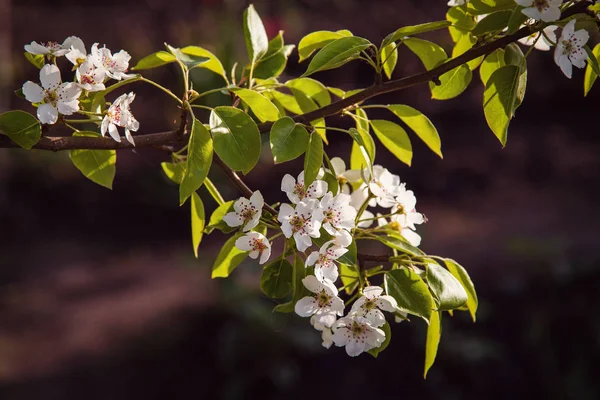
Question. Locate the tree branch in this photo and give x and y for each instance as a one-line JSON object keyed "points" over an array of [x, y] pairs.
{"points": [[371, 257], [167, 138]]}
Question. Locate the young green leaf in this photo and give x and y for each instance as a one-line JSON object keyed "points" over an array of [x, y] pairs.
{"points": [[499, 99], [410, 291], [389, 58], [198, 221], [312, 88], [37, 60], [216, 219], [394, 241], [420, 124], [414, 30], [99, 166], [257, 42], [350, 277], [481, 7], [236, 138], [493, 22], [155, 60], [363, 149], [313, 159], [337, 53], [317, 40], [272, 64], [464, 44], [590, 75], [213, 64], [229, 258], [21, 127], [446, 289], [462, 22], [491, 63], [174, 171], [199, 159], [288, 140], [463, 277], [189, 60], [333, 185], [259, 104], [394, 138], [517, 19], [299, 273], [214, 192], [434, 333], [388, 337], [430, 54], [454, 82], [276, 279]]}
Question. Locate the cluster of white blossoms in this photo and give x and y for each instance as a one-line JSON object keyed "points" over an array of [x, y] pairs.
{"points": [[315, 211], [569, 49], [92, 71]]}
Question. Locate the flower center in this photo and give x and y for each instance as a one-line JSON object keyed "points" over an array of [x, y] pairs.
{"points": [[299, 190], [52, 46], [369, 304], [258, 245], [358, 331], [87, 79], [323, 299], [50, 96], [115, 114], [541, 5], [248, 213], [297, 222]]}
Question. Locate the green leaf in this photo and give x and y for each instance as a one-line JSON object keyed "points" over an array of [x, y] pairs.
{"points": [[463, 277], [414, 30], [213, 64], [394, 138], [464, 44], [299, 273], [317, 40], [389, 58], [500, 98], [491, 63], [462, 23], [276, 279], [284, 307], [99, 166], [313, 89], [410, 291], [337, 53], [517, 19], [454, 82], [350, 277], [481, 7], [430, 54], [288, 140], [236, 137], [257, 42], [229, 258], [333, 185], [38, 60], [363, 149], [591, 75], [214, 192], [493, 22], [21, 127], [287, 101], [388, 336], [199, 159], [174, 171], [259, 104], [307, 104], [216, 219], [393, 240], [198, 221], [189, 60], [446, 289], [420, 124], [513, 55], [313, 159], [275, 59], [434, 333], [155, 60]]}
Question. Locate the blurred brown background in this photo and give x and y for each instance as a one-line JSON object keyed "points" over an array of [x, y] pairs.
{"points": [[101, 298]]}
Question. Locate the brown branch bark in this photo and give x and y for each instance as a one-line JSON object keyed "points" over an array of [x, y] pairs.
{"points": [[372, 257], [167, 138]]}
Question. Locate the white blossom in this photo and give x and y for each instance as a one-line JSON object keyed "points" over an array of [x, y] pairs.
{"points": [[326, 334], [545, 10], [456, 3], [300, 223], [295, 188], [89, 77], [55, 97], [336, 213], [256, 244], [395, 223], [323, 260], [370, 304], [569, 49], [404, 210], [54, 49], [357, 200], [119, 114], [383, 185], [344, 176], [76, 53], [246, 212], [324, 304], [357, 334], [541, 43], [115, 65]]}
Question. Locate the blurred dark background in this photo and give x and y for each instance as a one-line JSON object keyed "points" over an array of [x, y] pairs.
{"points": [[101, 298]]}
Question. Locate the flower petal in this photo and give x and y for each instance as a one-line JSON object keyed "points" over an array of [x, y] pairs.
{"points": [[33, 92], [50, 76]]}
